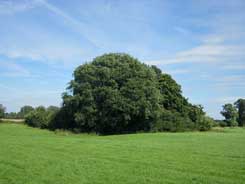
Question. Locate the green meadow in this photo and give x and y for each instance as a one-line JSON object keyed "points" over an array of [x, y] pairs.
{"points": [[34, 156]]}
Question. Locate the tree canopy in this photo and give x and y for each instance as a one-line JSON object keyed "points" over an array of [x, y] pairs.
{"points": [[240, 104], [115, 93], [25, 110], [230, 113]]}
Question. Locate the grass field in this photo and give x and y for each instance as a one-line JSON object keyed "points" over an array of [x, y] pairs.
{"points": [[33, 156]]}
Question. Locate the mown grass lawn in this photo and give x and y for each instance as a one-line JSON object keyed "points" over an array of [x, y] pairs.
{"points": [[33, 156]]}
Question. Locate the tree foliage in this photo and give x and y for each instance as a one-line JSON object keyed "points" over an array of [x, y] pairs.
{"points": [[230, 113], [115, 93], [240, 104], [11, 115], [41, 117], [2, 111], [25, 110]]}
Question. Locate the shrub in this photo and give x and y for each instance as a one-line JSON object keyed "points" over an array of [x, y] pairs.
{"points": [[205, 124], [37, 118], [231, 122], [41, 117], [222, 123], [173, 121]]}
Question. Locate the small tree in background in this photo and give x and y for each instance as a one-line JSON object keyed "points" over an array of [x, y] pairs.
{"points": [[25, 110], [230, 113]]}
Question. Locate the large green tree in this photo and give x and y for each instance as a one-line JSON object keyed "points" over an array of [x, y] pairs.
{"points": [[230, 113], [115, 93], [240, 104]]}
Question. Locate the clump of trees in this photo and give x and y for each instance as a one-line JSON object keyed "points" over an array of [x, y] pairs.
{"points": [[41, 117], [234, 114], [115, 93], [230, 113]]}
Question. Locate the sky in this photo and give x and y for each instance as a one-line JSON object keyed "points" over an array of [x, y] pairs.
{"points": [[200, 43]]}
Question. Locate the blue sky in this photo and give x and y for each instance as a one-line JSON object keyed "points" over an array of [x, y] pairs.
{"points": [[200, 43]]}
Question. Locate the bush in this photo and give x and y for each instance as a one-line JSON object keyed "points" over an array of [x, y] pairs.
{"points": [[40, 117], [223, 123], [37, 118], [173, 122], [231, 122], [205, 124]]}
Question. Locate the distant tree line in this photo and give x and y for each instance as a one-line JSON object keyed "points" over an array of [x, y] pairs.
{"points": [[234, 114], [19, 115], [35, 117]]}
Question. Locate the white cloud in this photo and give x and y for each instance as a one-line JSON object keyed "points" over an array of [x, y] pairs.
{"points": [[213, 39], [38, 43], [229, 82], [46, 53], [176, 71], [11, 7], [240, 66], [227, 99], [221, 35], [181, 30], [77, 25], [232, 78], [204, 53], [5, 87], [12, 70]]}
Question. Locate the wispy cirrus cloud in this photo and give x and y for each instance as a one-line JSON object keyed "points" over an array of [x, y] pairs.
{"points": [[219, 36], [37, 42], [181, 30], [227, 99], [176, 71], [51, 53], [11, 7], [204, 53], [11, 69], [230, 81], [238, 66], [76, 24]]}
